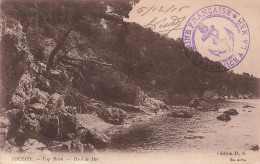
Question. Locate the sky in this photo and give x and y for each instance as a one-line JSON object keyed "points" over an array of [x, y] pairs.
{"points": [[149, 12]]}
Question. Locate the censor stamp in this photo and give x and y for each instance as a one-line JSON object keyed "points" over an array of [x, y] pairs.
{"points": [[218, 33]]}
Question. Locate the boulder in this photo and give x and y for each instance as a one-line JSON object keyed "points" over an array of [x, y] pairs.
{"points": [[56, 100], [38, 96], [111, 115], [231, 112], [89, 148], [50, 106], [17, 102], [248, 106], [98, 105], [9, 146], [41, 67], [3, 134], [32, 116], [67, 124], [50, 127], [96, 138], [195, 103], [232, 97], [70, 109], [200, 108], [75, 146], [55, 73], [219, 99], [155, 110], [26, 84], [4, 122], [224, 117], [57, 146], [43, 83], [37, 108], [14, 113], [58, 126], [60, 76], [154, 103], [181, 114], [32, 146], [29, 128], [254, 147]]}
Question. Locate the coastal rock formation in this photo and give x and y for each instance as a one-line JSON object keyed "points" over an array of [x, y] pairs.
{"points": [[231, 112], [32, 146], [248, 106], [224, 117], [254, 147], [97, 138], [195, 103], [181, 114], [205, 104], [112, 115]]}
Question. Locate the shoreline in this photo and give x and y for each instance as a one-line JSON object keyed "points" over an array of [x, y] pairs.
{"points": [[139, 117], [196, 133]]}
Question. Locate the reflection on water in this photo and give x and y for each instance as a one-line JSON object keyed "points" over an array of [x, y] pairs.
{"points": [[202, 132]]}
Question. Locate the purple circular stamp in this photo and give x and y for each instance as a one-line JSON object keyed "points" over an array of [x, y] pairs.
{"points": [[218, 33]]}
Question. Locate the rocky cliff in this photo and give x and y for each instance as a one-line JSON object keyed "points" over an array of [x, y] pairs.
{"points": [[48, 110]]}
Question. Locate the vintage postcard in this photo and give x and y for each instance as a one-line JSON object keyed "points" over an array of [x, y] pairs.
{"points": [[129, 81]]}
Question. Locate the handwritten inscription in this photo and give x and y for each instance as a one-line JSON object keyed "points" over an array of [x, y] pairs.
{"points": [[145, 10], [167, 19], [174, 23]]}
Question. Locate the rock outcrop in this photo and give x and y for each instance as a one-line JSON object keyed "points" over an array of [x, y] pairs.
{"points": [[97, 138], [195, 103], [205, 105], [32, 146], [224, 117], [233, 112], [248, 106], [41, 107], [111, 115], [16, 64], [184, 113], [4, 126], [254, 147]]}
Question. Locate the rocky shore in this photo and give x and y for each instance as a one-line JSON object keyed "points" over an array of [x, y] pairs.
{"points": [[44, 111]]}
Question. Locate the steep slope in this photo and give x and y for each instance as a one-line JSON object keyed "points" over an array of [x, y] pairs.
{"points": [[50, 107]]}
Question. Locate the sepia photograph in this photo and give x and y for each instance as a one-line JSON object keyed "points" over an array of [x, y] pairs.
{"points": [[129, 81]]}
